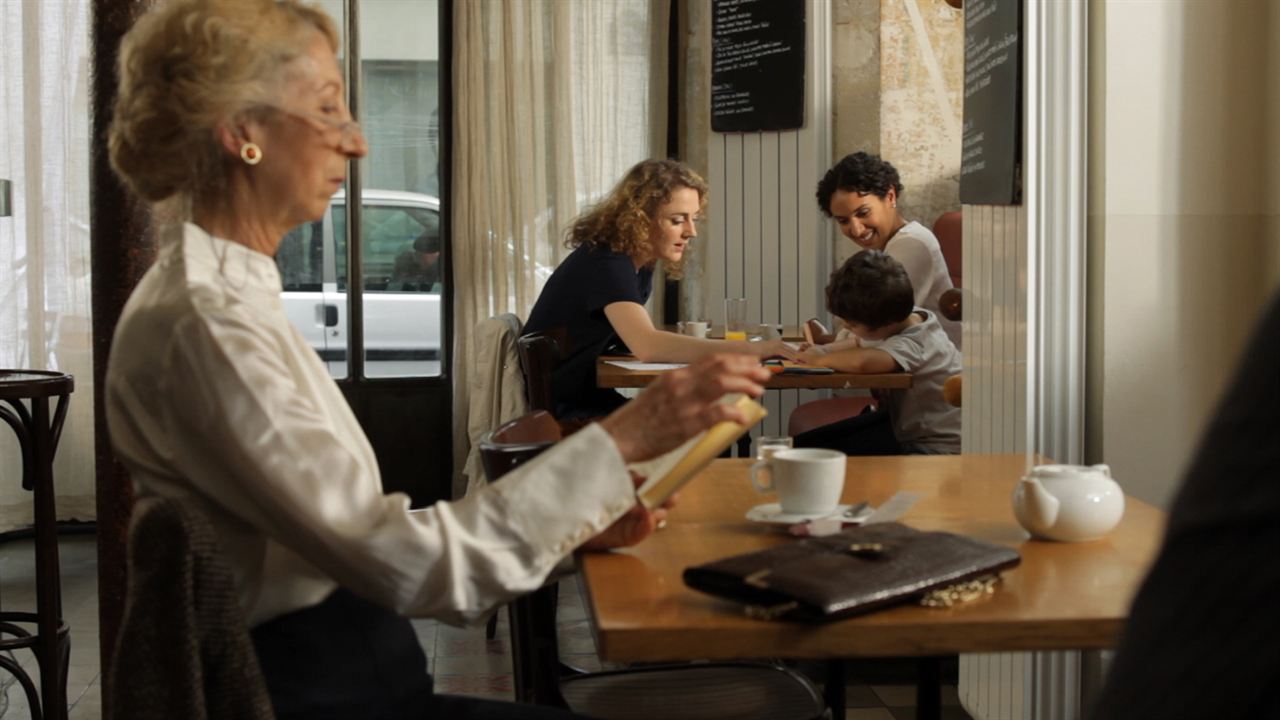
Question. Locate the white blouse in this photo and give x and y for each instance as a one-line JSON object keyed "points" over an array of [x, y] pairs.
{"points": [[212, 395], [918, 250]]}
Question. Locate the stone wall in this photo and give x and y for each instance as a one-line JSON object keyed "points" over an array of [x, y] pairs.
{"points": [[898, 91]]}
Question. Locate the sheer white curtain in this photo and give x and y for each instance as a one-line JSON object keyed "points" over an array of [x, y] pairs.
{"points": [[44, 246], [553, 101]]}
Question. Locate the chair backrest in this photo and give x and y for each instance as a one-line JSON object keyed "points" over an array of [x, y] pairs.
{"points": [[516, 442], [948, 228], [183, 649], [539, 355]]}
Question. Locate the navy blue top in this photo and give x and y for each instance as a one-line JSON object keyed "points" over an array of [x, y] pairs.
{"points": [[572, 303]]}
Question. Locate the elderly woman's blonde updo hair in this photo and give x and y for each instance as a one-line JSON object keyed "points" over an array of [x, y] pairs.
{"points": [[185, 67]]}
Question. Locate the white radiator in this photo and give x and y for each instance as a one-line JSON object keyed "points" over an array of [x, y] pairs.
{"points": [[766, 240], [1024, 307], [994, 408]]}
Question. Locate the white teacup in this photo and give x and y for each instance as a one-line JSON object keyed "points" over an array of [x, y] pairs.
{"points": [[695, 328], [808, 481]]}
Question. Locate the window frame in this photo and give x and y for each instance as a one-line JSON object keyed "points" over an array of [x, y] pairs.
{"points": [[355, 335]]}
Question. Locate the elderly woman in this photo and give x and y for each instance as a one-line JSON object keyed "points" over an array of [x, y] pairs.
{"points": [[596, 297], [231, 112], [861, 193]]}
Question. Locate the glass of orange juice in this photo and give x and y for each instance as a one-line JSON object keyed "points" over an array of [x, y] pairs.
{"points": [[735, 318]]}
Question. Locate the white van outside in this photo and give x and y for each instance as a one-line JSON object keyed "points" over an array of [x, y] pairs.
{"points": [[402, 320]]}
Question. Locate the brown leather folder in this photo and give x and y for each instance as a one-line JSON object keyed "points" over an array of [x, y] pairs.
{"points": [[852, 572]]}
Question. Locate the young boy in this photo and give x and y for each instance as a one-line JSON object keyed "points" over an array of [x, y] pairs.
{"points": [[872, 294]]}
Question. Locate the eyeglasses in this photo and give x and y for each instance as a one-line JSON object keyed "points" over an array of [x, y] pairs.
{"points": [[348, 130]]}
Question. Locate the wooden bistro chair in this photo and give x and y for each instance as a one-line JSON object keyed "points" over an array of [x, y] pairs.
{"points": [[671, 692], [948, 229], [816, 413], [952, 308], [540, 352]]}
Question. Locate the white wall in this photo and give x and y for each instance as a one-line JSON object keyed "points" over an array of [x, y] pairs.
{"points": [[1184, 234]]}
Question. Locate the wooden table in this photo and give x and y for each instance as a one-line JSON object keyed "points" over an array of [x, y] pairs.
{"points": [[612, 376], [1062, 596]]}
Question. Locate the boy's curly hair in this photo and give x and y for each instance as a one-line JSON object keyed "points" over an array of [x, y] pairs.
{"points": [[872, 289], [624, 220], [861, 173]]}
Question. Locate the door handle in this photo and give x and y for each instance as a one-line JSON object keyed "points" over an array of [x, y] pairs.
{"points": [[330, 315]]}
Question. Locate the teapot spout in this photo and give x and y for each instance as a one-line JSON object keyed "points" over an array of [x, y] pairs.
{"points": [[1040, 505]]}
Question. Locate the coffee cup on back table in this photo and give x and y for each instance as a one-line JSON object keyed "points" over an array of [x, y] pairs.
{"points": [[808, 481], [695, 328]]}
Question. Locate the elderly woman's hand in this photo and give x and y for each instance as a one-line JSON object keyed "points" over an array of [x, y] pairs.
{"points": [[638, 524], [682, 403]]}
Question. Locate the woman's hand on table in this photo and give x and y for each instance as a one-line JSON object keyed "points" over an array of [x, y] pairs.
{"points": [[682, 403], [812, 355], [775, 348]]}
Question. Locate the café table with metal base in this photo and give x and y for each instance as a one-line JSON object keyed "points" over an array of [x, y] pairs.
{"points": [[24, 406], [1063, 596]]}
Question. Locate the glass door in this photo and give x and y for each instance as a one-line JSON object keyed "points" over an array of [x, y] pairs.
{"points": [[385, 333]]}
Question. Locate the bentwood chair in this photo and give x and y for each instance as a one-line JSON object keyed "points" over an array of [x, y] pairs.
{"points": [[700, 691], [539, 353], [816, 413], [948, 229]]}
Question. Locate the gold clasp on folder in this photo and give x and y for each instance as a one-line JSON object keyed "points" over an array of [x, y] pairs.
{"points": [[871, 550]]}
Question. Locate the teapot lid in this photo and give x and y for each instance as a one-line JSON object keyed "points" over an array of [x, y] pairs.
{"points": [[1049, 471]]}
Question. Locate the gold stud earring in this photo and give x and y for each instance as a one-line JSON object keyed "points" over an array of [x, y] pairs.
{"points": [[250, 153]]}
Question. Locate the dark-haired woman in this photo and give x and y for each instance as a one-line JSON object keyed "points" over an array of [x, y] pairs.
{"points": [[861, 194], [595, 298]]}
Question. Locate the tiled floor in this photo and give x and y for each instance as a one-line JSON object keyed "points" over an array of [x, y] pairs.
{"points": [[78, 555], [462, 661]]}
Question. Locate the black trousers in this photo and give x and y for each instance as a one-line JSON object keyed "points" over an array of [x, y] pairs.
{"points": [[348, 658], [870, 433]]}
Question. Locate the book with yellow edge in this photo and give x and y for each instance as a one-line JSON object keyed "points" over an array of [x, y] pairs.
{"points": [[669, 472]]}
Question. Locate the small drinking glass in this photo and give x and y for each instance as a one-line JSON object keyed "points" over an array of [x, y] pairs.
{"points": [[735, 318], [767, 445]]}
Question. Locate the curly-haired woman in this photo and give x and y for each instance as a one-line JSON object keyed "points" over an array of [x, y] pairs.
{"points": [[596, 296], [861, 194]]}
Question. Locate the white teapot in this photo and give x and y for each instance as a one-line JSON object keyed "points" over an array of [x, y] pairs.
{"points": [[1068, 502]]}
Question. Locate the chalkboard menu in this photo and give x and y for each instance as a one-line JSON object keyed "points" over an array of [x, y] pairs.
{"points": [[991, 149], [757, 65]]}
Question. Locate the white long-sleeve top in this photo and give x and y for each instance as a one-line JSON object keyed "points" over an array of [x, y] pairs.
{"points": [[212, 395], [916, 247]]}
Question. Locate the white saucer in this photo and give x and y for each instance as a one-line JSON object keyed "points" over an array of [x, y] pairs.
{"points": [[771, 514]]}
